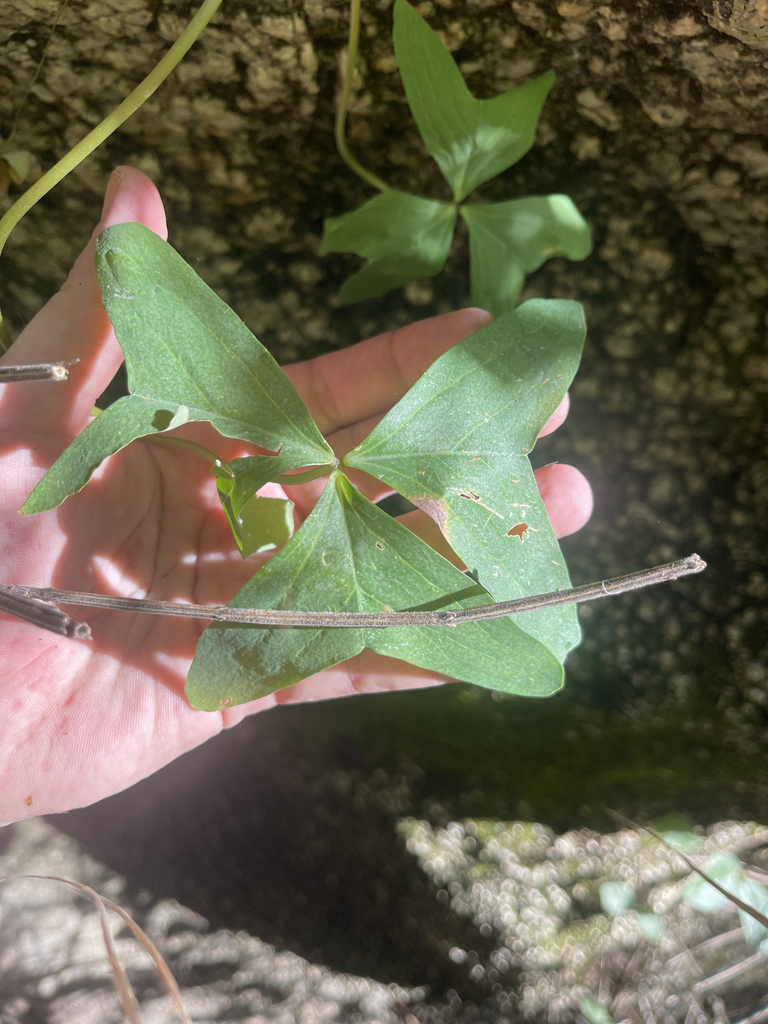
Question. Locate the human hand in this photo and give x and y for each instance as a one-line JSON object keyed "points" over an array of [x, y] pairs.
{"points": [[83, 720]]}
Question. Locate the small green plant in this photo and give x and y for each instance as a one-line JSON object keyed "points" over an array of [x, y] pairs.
{"points": [[404, 236]]}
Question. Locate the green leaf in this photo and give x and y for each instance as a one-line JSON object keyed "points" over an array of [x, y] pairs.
{"points": [[727, 871], [457, 445], [351, 556], [509, 240], [258, 523], [402, 237], [189, 357], [471, 140], [755, 896], [113, 429], [677, 831], [651, 927], [593, 1012], [616, 898]]}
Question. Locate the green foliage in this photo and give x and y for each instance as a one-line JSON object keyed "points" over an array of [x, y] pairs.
{"points": [[616, 898], [457, 444], [594, 1012], [728, 872], [189, 357], [404, 236], [351, 556], [676, 831], [509, 240], [651, 927], [401, 236], [470, 140]]}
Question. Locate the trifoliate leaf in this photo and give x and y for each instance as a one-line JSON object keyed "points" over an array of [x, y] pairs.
{"points": [[351, 556]]}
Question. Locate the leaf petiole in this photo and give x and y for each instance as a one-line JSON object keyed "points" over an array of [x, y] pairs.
{"points": [[194, 447], [346, 93], [102, 131], [303, 478]]}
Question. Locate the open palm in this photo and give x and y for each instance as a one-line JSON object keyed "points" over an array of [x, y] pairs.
{"points": [[82, 720]]}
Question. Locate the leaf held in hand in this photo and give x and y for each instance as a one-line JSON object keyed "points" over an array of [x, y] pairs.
{"points": [[351, 556], [509, 240], [189, 357], [457, 446], [471, 140], [402, 237]]}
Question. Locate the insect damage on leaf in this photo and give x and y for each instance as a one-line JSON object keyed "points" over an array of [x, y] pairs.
{"points": [[518, 531]]}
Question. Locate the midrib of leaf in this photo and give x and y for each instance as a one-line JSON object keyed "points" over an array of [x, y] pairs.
{"points": [[210, 406], [409, 569], [423, 232]]}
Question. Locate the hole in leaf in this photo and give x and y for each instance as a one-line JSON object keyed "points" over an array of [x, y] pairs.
{"points": [[162, 419], [518, 531]]}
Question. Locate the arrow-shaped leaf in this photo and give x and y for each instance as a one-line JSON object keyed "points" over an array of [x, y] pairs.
{"points": [[509, 240], [457, 445], [351, 556], [189, 357], [471, 140], [402, 237]]}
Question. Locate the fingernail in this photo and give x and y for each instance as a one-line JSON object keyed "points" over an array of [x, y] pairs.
{"points": [[115, 180]]}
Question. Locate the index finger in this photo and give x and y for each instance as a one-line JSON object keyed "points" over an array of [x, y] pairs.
{"points": [[342, 388], [73, 326]]}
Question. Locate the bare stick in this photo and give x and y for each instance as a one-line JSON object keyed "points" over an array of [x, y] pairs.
{"points": [[36, 371], [42, 614], [368, 620]]}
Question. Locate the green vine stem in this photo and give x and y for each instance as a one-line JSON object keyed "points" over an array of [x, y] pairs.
{"points": [[346, 92], [110, 123]]}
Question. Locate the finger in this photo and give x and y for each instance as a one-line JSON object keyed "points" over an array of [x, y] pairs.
{"points": [[567, 497], [365, 673], [346, 439], [557, 418], [565, 492], [73, 325], [365, 380]]}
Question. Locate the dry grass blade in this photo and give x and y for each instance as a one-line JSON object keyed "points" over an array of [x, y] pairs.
{"points": [[125, 993]]}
